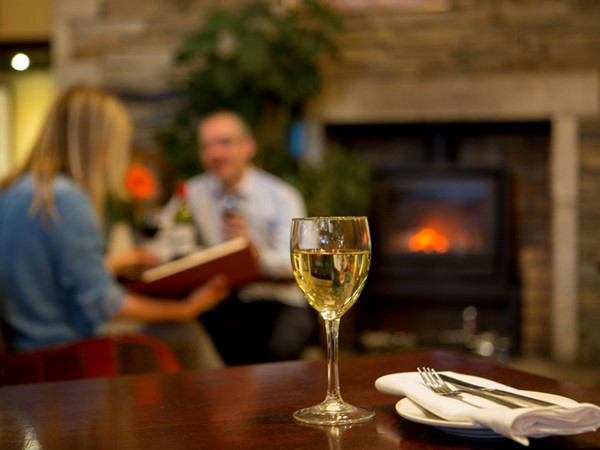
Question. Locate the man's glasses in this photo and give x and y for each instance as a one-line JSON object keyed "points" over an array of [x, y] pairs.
{"points": [[226, 141]]}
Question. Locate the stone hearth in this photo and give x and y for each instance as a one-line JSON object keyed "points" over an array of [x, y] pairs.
{"points": [[562, 99]]}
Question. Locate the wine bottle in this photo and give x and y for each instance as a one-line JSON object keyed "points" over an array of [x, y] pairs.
{"points": [[184, 234]]}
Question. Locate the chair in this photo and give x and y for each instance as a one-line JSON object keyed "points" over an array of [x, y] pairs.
{"points": [[90, 358]]}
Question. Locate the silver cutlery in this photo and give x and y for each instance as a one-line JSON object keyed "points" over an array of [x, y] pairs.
{"points": [[463, 384], [433, 381]]}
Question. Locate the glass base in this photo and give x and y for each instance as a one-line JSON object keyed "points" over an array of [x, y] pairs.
{"points": [[334, 412]]}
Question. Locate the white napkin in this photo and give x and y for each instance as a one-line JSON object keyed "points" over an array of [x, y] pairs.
{"points": [[570, 417]]}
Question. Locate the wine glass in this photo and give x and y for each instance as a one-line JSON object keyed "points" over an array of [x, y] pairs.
{"points": [[147, 221], [331, 258]]}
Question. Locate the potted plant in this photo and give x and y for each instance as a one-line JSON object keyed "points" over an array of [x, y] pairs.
{"points": [[263, 61]]}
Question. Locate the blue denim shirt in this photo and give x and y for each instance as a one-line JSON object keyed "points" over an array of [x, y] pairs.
{"points": [[54, 286]]}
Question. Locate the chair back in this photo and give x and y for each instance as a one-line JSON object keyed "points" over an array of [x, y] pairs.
{"points": [[90, 358], [3, 346]]}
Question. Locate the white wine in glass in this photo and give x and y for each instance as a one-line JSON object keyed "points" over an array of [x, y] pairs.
{"points": [[331, 257]]}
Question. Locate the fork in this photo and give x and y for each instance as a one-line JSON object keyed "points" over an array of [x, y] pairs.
{"points": [[433, 381]]}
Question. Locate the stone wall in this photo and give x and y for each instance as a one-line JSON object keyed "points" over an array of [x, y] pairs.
{"points": [[589, 280], [129, 45]]}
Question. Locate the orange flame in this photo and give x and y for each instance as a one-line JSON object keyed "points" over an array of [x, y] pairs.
{"points": [[428, 240]]}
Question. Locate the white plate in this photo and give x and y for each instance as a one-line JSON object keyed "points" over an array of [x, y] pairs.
{"points": [[411, 411], [415, 413]]}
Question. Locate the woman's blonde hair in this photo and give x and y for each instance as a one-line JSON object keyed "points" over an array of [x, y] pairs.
{"points": [[87, 137]]}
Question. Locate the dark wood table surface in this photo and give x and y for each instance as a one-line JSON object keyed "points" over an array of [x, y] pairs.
{"points": [[250, 407]]}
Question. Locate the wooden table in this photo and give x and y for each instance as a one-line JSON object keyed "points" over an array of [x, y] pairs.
{"points": [[249, 407]]}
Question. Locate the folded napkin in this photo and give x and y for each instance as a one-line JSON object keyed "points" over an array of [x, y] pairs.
{"points": [[570, 417]]}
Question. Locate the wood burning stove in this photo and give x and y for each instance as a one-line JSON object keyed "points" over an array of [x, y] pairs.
{"points": [[441, 242], [440, 224]]}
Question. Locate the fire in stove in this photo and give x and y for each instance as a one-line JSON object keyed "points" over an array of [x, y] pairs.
{"points": [[428, 240], [448, 236], [441, 221]]}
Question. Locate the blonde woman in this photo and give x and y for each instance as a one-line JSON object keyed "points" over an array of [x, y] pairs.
{"points": [[55, 285]]}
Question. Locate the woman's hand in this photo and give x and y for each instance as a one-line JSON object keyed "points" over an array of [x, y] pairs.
{"points": [[130, 262], [201, 299], [208, 295]]}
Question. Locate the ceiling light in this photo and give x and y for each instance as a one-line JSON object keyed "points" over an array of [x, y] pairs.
{"points": [[20, 62]]}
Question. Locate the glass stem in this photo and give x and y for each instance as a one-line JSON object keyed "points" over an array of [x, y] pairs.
{"points": [[332, 329]]}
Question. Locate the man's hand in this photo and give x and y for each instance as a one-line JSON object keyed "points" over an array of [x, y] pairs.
{"points": [[235, 225]]}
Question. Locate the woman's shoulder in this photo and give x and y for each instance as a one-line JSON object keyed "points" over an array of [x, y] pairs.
{"points": [[67, 194], [65, 186], [65, 183]]}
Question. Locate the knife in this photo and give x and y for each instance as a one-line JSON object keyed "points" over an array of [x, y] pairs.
{"points": [[462, 383]]}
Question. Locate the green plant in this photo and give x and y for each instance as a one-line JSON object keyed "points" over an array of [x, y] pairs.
{"points": [[262, 61], [341, 185]]}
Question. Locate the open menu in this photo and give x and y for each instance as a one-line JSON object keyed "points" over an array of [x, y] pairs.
{"points": [[177, 278]]}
